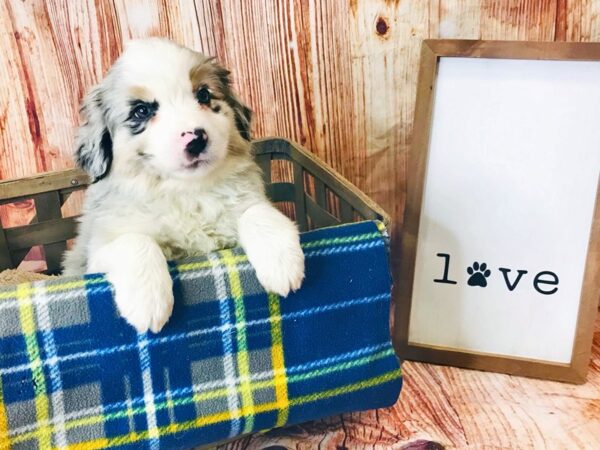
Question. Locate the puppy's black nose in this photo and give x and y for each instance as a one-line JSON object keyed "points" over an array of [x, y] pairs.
{"points": [[198, 144]]}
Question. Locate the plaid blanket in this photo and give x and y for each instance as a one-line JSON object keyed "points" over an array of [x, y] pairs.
{"points": [[231, 360]]}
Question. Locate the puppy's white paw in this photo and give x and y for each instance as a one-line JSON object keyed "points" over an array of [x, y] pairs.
{"points": [[280, 269], [137, 268], [146, 305], [272, 244]]}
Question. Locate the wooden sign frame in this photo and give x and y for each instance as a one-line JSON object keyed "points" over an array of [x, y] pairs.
{"points": [[575, 371]]}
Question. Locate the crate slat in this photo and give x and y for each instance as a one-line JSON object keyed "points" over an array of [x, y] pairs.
{"points": [[48, 207], [281, 192], [5, 258], [299, 197], [13, 190], [320, 195], [346, 212], [48, 232], [264, 162], [319, 216]]}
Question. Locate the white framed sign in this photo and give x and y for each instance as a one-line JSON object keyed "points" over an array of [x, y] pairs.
{"points": [[501, 246]]}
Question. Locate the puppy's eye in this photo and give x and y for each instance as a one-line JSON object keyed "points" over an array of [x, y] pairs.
{"points": [[203, 96], [140, 112]]}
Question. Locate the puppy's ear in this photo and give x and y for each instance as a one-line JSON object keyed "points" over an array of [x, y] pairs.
{"points": [[243, 114], [93, 143]]}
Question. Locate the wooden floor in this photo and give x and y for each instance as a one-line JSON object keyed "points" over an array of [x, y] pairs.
{"points": [[444, 407]]}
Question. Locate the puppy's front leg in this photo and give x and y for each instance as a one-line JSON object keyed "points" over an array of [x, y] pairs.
{"points": [[272, 244], [137, 268]]}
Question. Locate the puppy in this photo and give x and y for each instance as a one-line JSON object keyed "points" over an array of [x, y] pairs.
{"points": [[166, 143]]}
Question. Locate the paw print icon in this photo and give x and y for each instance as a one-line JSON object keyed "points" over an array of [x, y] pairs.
{"points": [[478, 274]]}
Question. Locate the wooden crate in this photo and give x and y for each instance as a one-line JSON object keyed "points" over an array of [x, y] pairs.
{"points": [[302, 185]]}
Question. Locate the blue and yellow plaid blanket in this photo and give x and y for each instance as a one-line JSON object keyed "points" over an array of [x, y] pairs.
{"points": [[232, 359]]}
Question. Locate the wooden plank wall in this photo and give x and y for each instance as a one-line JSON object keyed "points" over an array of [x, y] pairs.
{"points": [[338, 76]]}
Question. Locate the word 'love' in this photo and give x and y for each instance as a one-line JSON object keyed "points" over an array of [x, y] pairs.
{"points": [[478, 275]]}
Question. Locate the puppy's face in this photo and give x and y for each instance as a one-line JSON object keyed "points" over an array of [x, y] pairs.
{"points": [[163, 109]]}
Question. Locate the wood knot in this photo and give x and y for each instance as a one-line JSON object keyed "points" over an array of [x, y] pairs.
{"points": [[381, 26]]}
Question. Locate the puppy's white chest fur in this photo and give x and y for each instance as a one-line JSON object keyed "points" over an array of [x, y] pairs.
{"points": [[192, 227]]}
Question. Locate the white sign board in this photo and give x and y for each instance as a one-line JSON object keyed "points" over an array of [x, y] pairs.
{"points": [[507, 207]]}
